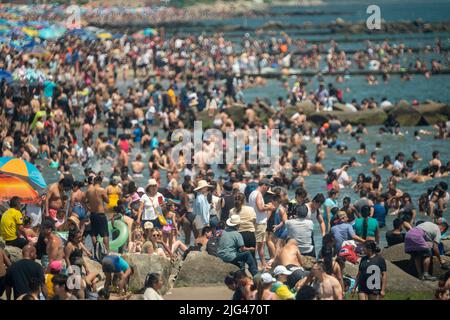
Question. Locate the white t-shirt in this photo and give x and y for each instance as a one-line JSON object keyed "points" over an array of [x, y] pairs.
{"points": [[150, 204], [151, 294], [342, 178], [398, 165], [261, 216]]}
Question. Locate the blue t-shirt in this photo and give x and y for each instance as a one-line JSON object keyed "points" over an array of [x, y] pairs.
{"points": [[154, 143], [120, 265], [379, 213], [329, 203], [342, 232], [48, 89], [137, 134]]}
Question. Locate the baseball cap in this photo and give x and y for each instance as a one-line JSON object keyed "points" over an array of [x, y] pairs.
{"points": [[266, 182], [342, 214], [279, 270], [267, 278], [55, 265], [140, 190], [148, 225]]}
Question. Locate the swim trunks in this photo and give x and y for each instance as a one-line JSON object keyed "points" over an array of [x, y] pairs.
{"points": [[99, 224]]}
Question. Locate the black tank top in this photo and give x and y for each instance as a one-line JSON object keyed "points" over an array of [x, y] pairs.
{"points": [[229, 204]]}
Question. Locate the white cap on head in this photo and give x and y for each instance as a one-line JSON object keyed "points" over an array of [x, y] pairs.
{"points": [[267, 278], [140, 190], [279, 270]]}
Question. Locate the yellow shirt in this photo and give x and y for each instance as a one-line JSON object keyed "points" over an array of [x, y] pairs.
{"points": [[8, 226], [172, 97]]}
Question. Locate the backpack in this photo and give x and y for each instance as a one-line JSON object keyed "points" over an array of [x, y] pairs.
{"points": [[212, 245], [99, 251]]}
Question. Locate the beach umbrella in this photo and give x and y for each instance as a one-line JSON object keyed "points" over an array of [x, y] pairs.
{"points": [[22, 169], [4, 29], [6, 75], [29, 75], [52, 33], [15, 187], [138, 36], [104, 35], [31, 32], [149, 32]]}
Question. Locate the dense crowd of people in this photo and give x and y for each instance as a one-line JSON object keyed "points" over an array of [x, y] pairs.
{"points": [[86, 117]]}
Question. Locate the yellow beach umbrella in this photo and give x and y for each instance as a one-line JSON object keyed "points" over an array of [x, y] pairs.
{"points": [[104, 35], [32, 32]]}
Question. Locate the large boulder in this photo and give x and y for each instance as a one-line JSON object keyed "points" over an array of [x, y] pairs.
{"points": [[398, 281], [201, 269], [14, 253], [433, 112], [405, 115], [446, 246], [144, 264], [436, 269], [396, 254]]}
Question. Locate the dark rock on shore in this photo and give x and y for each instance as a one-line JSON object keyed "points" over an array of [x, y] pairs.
{"points": [[405, 115], [201, 269]]}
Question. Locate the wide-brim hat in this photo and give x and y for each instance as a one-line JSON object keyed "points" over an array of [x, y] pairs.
{"points": [[202, 184], [234, 220]]}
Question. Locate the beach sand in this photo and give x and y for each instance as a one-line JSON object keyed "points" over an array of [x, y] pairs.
{"points": [[199, 293]]}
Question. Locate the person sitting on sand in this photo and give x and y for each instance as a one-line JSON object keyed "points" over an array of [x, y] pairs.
{"points": [[153, 284]]}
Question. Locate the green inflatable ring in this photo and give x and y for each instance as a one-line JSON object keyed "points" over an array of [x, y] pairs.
{"points": [[39, 114], [119, 241]]}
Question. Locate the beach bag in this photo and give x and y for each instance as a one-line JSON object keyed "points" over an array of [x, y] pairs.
{"points": [[349, 254], [162, 220]]}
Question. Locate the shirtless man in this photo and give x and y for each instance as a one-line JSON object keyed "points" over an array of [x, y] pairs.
{"points": [[328, 287], [138, 166], [123, 158], [96, 198], [55, 197], [435, 161], [55, 246], [289, 255]]}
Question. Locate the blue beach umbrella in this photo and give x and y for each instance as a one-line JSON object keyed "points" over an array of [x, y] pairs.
{"points": [[22, 169], [6, 75]]}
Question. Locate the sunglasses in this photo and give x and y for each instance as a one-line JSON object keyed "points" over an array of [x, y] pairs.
{"points": [[156, 235]]}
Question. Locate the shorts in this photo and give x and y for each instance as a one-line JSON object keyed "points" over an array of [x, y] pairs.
{"points": [[99, 225], [260, 232], [363, 289], [421, 253]]}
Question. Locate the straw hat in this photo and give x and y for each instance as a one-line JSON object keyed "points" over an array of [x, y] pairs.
{"points": [[151, 182], [202, 184], [234, 220]]}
